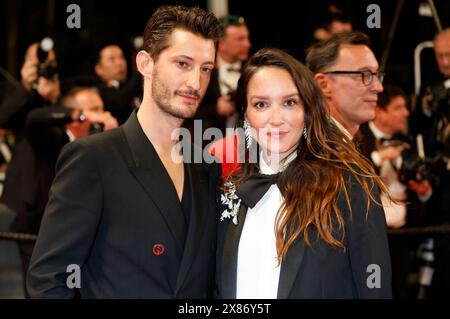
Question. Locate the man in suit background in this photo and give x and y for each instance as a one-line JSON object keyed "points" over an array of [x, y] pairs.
{"points": [[120, 94], [134, 217], [218, 108], [385, 140]]}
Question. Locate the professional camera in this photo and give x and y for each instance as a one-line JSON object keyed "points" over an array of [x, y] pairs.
{"points": [[415, 168], [96, 128], [440, 98], [46, 70]]}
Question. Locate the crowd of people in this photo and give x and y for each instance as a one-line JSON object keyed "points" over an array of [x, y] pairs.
{"points": [[340, 159]]}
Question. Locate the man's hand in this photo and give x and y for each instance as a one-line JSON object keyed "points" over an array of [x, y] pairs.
{"points": [[29, 73], [49, 89], [422, 188], [390, 152], [225, 107]]}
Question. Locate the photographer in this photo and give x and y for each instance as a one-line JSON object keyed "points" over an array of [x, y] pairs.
{"points": [[40, 88], [396, 160], [393, 153], [432, 112], [431, 118], [48, 130]]}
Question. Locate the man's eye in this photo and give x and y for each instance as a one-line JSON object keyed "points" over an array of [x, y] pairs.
{"points": [[182, 64]]}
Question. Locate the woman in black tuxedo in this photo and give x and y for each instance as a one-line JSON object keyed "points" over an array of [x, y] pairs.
{"points": [[303, 220]]}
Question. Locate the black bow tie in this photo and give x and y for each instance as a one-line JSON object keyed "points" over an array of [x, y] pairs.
{"points": [[254, 188], [232, 69]]}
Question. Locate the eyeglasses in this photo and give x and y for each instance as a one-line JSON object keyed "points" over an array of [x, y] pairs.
{"points": [[366, 76], [232, 20]]}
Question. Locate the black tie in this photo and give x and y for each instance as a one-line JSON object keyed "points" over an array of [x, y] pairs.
{"points": [[254, 188]]}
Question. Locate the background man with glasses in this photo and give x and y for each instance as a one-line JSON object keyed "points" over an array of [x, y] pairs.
{"points": [[347, 72]]}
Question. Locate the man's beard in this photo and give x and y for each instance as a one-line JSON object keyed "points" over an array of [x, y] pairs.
{"points": [[162, 96]]}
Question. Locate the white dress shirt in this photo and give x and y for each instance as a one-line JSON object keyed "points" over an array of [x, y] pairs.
{"points": [[258, 271]]}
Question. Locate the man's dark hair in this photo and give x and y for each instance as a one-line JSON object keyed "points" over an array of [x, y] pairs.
{"points": [[337, 17], [231, 20], [323, 54], [101, 46], [168, 18], [389, 92]]}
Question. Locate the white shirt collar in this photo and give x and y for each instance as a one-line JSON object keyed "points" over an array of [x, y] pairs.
{"points": [[264, 168], [223, 65], [342, 128], [377, 132], [70, 135]]}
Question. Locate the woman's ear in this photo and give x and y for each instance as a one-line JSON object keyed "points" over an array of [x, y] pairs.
{"points": [[144, 63]]}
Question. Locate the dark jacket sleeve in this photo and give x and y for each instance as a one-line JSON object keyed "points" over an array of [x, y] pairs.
{"points": [[119, 101], [69, 224], [45, 127], [368, 245], [15, 107]]}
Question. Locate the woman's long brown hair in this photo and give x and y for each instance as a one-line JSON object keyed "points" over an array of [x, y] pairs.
{"points": [[314, 181]]}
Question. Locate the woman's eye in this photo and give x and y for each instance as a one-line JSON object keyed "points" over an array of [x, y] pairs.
{"points": [[206, 70], [291, 102], [259, 105]]}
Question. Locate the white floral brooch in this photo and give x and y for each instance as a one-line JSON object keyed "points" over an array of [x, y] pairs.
{"points": [[231, 201]]}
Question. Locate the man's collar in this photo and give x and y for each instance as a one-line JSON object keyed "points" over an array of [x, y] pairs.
{"points": [[377, 132], [223, 64], [342, 128]]}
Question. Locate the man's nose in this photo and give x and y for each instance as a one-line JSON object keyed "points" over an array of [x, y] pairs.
{"points": [[376, 84], [193, 80]]}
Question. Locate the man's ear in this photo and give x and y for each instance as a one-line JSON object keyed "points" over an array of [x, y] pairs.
{"points": [[144, 63], [98, 70], [323, 83]]}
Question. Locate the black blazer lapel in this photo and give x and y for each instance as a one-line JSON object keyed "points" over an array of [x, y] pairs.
{"points": [[290, 268], [230, 254], [148, 169], [199, 194]]}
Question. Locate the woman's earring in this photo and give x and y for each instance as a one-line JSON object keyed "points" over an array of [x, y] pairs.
{"points": [[305, 133], [248, 134]]}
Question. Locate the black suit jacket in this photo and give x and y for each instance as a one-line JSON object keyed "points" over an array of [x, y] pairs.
{"points": [[324, 271], [111, 202]]}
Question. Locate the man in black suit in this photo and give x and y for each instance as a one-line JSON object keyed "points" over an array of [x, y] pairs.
{"points": [[388, 147], [217, 108], [127, 213], [121, 95]]}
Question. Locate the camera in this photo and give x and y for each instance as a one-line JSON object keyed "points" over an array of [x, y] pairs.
{"points": [[96, 128], [46, 70], [415, 168]]}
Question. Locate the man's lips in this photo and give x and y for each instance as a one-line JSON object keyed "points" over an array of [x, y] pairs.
{"points": [[189, 96]]}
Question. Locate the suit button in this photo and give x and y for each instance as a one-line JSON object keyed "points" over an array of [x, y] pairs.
{"points": [[158, 249]]}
